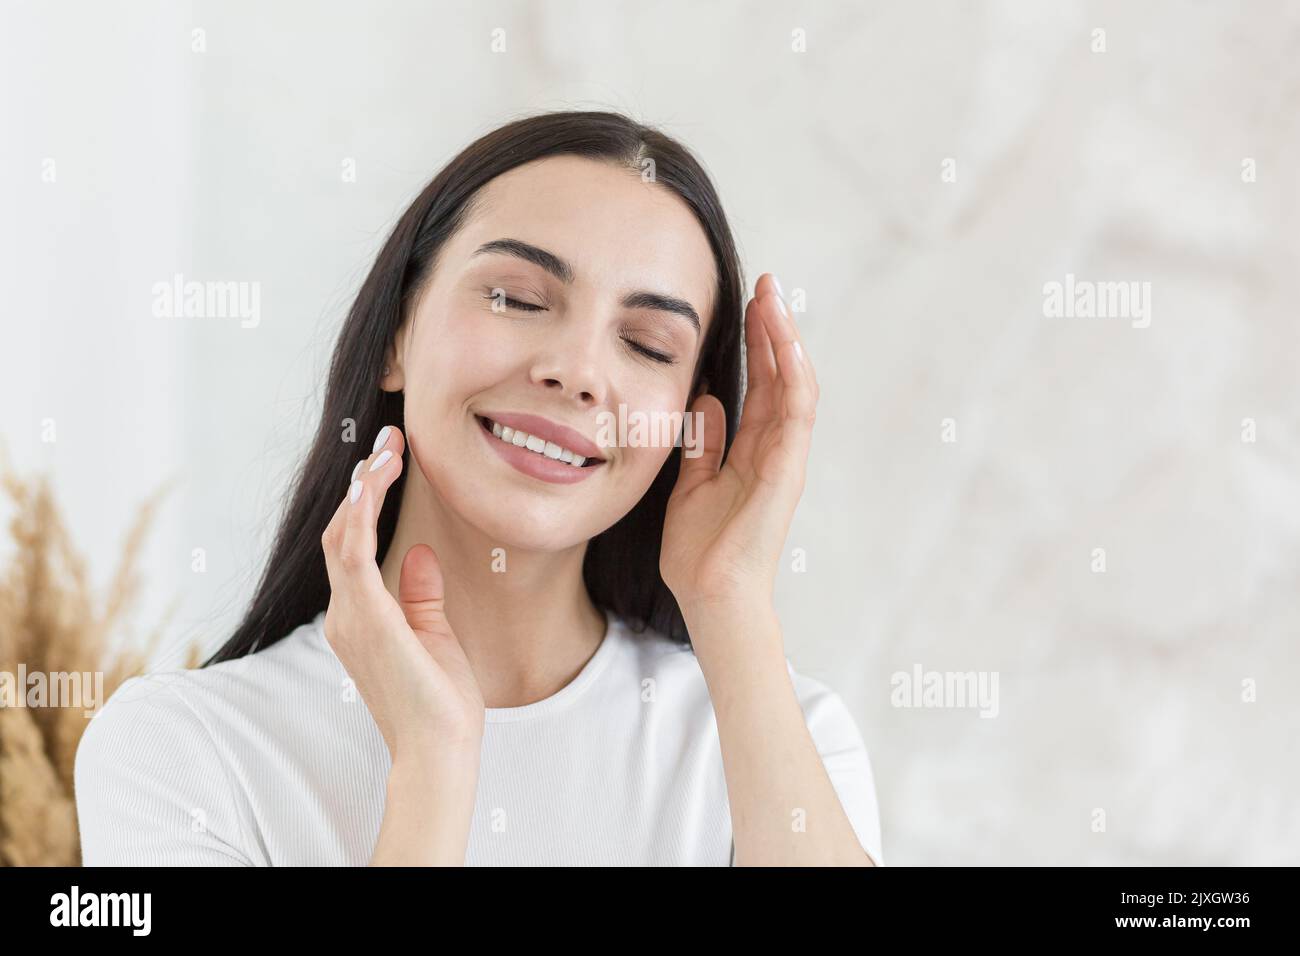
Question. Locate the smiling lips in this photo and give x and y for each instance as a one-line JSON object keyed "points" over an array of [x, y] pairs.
{"points": [[540, 448]]}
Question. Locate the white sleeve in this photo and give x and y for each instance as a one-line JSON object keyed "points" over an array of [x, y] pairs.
{"points": [[845, 757], [150, 785]]}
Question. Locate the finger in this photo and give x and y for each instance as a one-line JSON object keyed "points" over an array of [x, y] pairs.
{"points": [[762, 378], [768, 285], [782, 330], [421, 591], [703, 458], [365, 499], [759, 358], [332, 537], [329, 542], [799, 405]]}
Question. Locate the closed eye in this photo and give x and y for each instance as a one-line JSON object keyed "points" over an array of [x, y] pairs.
{"points": [[651, 353], [514, 303], [495, 296]]}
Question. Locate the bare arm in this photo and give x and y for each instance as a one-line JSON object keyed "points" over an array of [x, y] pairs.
{"points": [[428, 811], [784, 808]]}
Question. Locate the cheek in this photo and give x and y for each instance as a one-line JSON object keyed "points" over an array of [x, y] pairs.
{"points": [[651, 415], [456, 357], [645, 463], [655, 396]]}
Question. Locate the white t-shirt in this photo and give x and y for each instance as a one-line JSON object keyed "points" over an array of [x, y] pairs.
{"points": [[273, 760]]}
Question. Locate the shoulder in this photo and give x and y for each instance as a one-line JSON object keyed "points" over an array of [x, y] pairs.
{"points": [[845, 756], [829, 719], [675, 672], [203, 706], [658, 658], [152, 773], [297, 664], [151, 788]]}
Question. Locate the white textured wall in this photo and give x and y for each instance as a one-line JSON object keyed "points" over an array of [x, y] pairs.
{"points": [[1119, 690]]}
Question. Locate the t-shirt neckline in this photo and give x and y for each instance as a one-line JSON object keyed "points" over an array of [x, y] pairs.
{"points": [[566, 694]]}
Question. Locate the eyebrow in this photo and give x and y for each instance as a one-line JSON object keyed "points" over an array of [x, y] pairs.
{"points": [[564, 272]]}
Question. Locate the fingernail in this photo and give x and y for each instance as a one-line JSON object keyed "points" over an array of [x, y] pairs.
{"points": [[777, 282], [357, 469], [798, 351], [780, 304], [381, 460], [381, 437], [355, 491]]}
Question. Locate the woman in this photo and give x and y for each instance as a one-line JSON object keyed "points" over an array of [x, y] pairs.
{"points": [[504, 635]]}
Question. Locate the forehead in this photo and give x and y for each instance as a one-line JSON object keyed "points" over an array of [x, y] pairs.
{"points": [[617, 231]]}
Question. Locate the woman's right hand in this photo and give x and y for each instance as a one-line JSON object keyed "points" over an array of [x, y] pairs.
{"points": [[408, 666]]}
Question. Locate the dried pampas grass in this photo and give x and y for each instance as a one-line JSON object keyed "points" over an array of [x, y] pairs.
{"points": [[51, 623]]}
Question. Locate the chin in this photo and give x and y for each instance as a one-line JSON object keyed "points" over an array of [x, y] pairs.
{"points": [[517, 519], [546, 533]]}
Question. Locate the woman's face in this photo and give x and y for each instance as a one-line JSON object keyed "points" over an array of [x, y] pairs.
{"points": [[567, 294]]}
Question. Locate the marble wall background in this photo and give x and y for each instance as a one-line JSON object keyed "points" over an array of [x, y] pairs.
{"points": [[1120, 690]]}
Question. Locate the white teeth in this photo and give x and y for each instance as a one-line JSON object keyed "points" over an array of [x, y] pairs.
{"points": [[548, 448]]}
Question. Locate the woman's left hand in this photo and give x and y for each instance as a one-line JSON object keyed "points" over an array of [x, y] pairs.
{"points": [[725, 526]]}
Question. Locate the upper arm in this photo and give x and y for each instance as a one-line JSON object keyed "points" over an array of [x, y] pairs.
{"points": [[151, 788]]}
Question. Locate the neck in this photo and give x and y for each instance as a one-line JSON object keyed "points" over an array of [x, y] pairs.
{"points": [[527, 629]]}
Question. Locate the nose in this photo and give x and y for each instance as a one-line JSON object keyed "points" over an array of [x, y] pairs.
{"points": [[571, 365]]}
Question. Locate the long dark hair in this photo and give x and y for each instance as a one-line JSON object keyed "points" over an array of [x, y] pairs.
{"points": [[621, 566]]}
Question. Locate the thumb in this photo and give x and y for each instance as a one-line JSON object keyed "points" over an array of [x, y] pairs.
{"points": [[420, 589], [701, 446]]}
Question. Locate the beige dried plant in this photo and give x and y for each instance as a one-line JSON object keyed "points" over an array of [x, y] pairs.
{"points": [[51, 621]]}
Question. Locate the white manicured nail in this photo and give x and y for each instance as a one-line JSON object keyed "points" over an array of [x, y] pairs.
{"points": [[381, 460], [357, 469], [381, 437], [355, 491]]}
